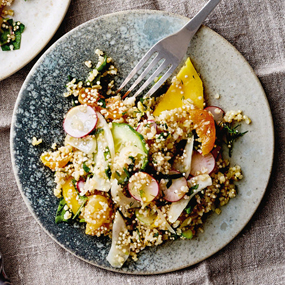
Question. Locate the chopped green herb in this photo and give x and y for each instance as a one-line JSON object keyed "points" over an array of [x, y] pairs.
{"points": [[74, 182], [127, 172], [188, 210], [86, 168], [103, 65], [102, 103], [231, 135], [84, 200], [59, 216], [108, 172], [11, 34], [163, 135], [157, 78], [97, 131], [82, 221], [191, 189], [156, 235]]}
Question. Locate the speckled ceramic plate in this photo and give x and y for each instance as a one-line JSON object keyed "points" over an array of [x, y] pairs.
{"points": [[41, 18], [126, 36]]}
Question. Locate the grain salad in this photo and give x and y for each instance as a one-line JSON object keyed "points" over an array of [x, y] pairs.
{"points": [[10, 30], [142, 170]]}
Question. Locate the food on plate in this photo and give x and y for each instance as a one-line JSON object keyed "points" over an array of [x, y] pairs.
{"points": [[10, 30], [142, 170]]}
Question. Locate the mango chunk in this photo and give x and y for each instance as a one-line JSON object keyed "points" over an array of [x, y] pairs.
{"points": [[97, 213], [70, 194], [187, 87]]}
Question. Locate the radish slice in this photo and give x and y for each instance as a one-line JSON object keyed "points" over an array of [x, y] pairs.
{"points": [[80, 121], [184, 166], [80, 185], [202, 164], [177, 208], [120, 199], [86, 144], [143, 187], [176, 191], [118, 254], [217, 113], [216, 152], [108, 134], [151, 128]]}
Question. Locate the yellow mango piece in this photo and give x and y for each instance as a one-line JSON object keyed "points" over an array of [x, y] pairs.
{"points": [[187, 86], [91, 229], [70, 194], [49, 161], [97, 212]]}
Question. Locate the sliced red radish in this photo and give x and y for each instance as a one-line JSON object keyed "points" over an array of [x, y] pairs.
{"points": [[177, 208], [176, 190], [80, 185], [202, 163], [143, 187], [80, 121], [216, 152], [217, 113], [150, 125]]}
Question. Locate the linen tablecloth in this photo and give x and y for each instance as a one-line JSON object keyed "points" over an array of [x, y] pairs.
{"points": [[257, 255]]}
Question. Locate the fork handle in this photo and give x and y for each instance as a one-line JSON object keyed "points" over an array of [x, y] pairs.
{"points": [[194, 24]]}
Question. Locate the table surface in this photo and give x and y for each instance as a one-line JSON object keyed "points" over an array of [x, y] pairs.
{"points": [[256, 256]]}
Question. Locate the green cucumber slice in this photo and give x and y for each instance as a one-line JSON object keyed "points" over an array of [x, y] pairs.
{"points": [[147, 219], [124, 135], [188, 234]]}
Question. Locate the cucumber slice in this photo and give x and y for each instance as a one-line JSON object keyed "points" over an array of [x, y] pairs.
{"points": [[188, 234], [148, 218], [124, 133], [124, 136]]}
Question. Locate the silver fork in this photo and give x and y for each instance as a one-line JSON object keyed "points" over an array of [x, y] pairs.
{"points": [[169, 51]]}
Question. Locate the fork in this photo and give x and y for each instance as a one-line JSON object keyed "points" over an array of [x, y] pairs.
{"points": [[168, 53]]}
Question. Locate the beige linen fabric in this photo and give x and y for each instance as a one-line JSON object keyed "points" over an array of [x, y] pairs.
{"points": [[257, 256]]}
